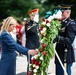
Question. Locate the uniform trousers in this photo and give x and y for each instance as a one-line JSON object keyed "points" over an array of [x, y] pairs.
{"points": [[60, 71], [29, 62]]}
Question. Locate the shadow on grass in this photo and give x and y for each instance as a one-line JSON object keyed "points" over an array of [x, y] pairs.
{"points": [[22, 73]]}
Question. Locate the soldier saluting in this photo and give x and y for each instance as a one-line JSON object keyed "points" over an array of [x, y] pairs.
{"points": [[32, 38]]}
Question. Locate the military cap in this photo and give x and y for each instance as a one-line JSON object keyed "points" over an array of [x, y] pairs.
{"points": [[33, 12], [65, 7]]}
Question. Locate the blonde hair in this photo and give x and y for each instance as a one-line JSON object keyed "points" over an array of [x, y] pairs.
{"points": [[8, 21]]}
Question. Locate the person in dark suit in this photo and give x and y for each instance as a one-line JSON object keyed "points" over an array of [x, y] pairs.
{"points": [[32, 38], [64, 41], [8, 59]]}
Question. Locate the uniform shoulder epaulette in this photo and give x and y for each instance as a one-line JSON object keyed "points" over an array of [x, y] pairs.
{"points": [[72, 22], [28, 23]]}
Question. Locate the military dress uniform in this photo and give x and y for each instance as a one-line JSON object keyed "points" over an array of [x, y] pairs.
{"points": [[32, 38], [64, 41], [66, 38]]}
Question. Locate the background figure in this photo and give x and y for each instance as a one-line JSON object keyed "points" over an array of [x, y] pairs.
{"points": [[23, 32], [13, 34], [32, 38], [19, 33], [0, 49], [0, 40], [64, 41], [8, 59]]}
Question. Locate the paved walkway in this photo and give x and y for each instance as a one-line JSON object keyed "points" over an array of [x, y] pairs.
{"points": [[22, 65]]}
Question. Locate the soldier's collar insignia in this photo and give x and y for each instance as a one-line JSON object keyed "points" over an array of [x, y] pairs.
{"points": [[65, 21]]}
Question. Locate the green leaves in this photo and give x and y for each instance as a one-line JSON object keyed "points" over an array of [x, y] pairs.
{"points": [[46, 49], [51, 33]]}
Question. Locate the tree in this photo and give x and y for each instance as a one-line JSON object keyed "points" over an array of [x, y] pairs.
{"points": [[20, 8], [49, 3], [17, 8]]}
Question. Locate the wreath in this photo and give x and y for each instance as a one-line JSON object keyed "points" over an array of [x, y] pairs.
{"points": [[47, 32]]}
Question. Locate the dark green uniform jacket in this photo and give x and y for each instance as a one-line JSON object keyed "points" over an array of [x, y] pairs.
{"points": [[32, 38]]}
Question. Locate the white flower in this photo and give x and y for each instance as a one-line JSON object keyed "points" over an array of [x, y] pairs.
{"points": [[43, 23], [34, 65], [35, 56], [41, 58], [41, 40], [50, 18], [48, 24], [34, 74], [30, 67], [32, 58], [30, 64], [37, 67], [58, 15], [42, 73], [43, 30], [35, 70], [54, 15], [38, 34]]}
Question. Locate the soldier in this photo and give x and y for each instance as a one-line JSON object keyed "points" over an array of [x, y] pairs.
{"points": [[32, 38], [23, 32], [64, 41]]}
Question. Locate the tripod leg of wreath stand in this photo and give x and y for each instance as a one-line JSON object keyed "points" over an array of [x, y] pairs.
{"points": [[28, 62], [60, 62], [65, 56]]}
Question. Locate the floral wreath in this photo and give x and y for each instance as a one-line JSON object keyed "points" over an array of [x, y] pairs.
{"points": [[47, 32]]}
